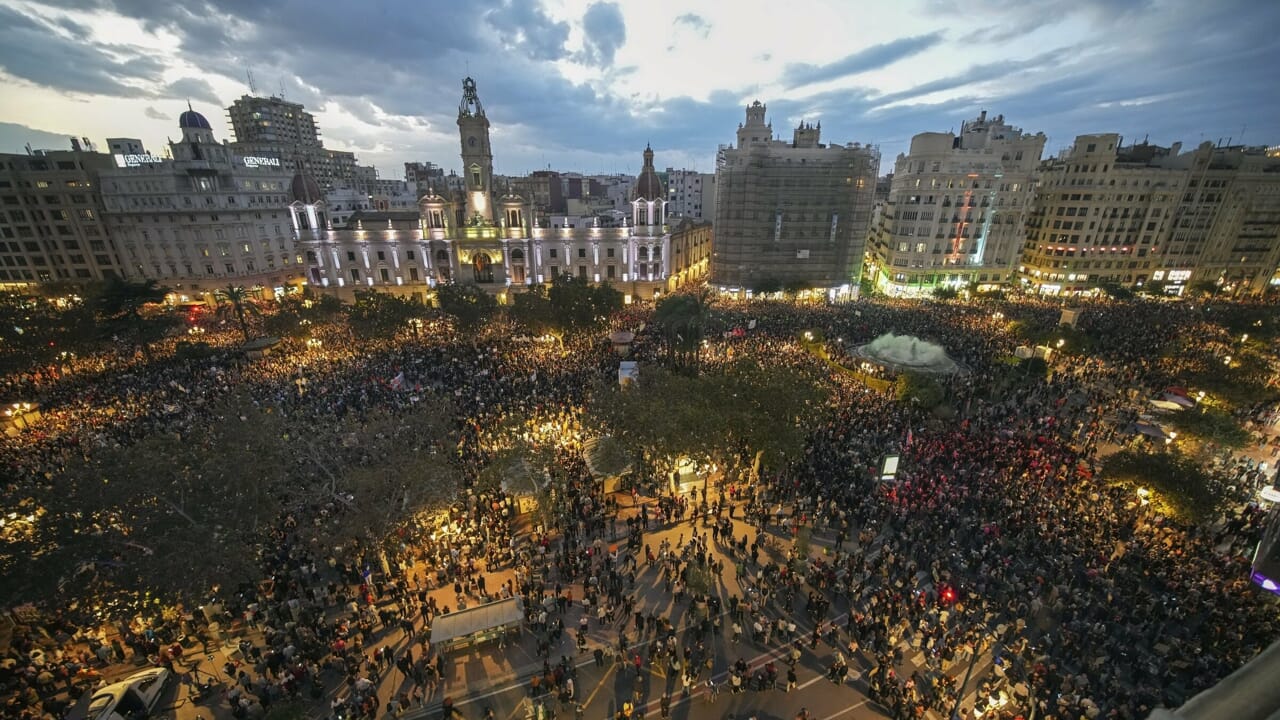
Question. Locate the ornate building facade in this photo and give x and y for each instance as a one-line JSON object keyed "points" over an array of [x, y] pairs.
{"points": [[482, 236]]}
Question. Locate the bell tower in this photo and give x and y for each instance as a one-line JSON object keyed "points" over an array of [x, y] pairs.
{"points": [[477, 156]]}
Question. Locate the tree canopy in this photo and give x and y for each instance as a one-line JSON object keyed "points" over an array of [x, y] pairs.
{"points": [[382, 315], [738, 410], [681, 318], [1180, 484], [176, 514], [467, 304]]}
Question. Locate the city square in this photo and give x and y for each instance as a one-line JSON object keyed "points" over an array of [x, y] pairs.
{"points": [[1000, 569], [619, 403]]}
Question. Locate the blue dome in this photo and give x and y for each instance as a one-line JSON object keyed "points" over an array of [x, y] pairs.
{"points": [[194, 120]]}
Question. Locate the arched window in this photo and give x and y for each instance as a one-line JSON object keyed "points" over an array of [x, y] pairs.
{"points": [[477, 181]]}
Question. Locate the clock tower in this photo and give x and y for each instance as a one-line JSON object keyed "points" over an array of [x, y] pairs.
{"points": [[477, 156]]}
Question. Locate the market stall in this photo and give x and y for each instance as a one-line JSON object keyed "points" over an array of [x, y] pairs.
{"points": [[468, 628]]}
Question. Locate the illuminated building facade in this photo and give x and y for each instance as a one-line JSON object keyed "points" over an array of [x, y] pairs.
{"points": [[478, 235], [1108, 214], [791, 214], [275, 127], [51, 224], [204, 219], [956, 209]]}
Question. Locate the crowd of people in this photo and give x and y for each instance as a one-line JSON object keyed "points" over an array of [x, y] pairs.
{"points": [[996, 540]]}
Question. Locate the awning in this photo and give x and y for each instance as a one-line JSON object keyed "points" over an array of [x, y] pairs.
{"points": [[606, 457], [477, 619], [1149, 429]]}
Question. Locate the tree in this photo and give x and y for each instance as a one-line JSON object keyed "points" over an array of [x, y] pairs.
{"points": [[736, 411], [236, 301], [532, 310], [125, 311], [943, 292], [1179, 483], [467, 304], [381, 315], [578, 306], [1211, 425], [1116, 291], [918, 389], [793, 288], [681, 318], [179, 514], [1204, 288], [767, 286], [34, 331]]}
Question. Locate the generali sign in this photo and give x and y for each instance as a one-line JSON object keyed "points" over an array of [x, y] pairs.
{"points": [[123, 160], [256, 162]]}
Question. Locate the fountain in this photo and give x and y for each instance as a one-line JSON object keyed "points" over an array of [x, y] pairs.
{"points": [[905, 353]]}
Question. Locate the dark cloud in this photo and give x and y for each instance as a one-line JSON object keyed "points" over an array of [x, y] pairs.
{"points": [[523, 26], [604, 32], [192, 89], [155, 114], [872, 58], [15, 137], [1188, 69], [48, 54], [696, 23]]}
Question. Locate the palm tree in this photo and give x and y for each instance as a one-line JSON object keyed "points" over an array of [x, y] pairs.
{"points": [[120, 307], [234, 299], [682, 319]]}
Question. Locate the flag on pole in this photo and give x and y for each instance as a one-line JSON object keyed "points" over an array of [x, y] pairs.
{"points": [[908, 444]]}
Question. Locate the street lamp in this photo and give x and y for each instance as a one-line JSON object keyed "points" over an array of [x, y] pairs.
{"points": [[415, 325], [17, 413]]}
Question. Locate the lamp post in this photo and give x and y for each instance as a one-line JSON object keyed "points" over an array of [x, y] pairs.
{"points": [[17, 413], [415, 326]]}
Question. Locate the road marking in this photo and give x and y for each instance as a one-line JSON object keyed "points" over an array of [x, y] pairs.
{"points": [[851, 708], [608, 671], [811, 681]]}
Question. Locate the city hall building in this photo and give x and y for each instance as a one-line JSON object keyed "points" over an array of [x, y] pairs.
{"points": [[482, 236]]}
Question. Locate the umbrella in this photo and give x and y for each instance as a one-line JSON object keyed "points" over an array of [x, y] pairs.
{"points": [[1182, 400], [1175, 390], [1166, 404]]}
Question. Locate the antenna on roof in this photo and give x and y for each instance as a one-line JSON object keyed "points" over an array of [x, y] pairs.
{"points": [[253, 87], [281, 89]]}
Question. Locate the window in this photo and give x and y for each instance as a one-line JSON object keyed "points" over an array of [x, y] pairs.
{"points": [[384, 274], [413, 274], [355, 275], [582, 271], [551, 253], [582, 252], [409, 254], [609, 271], [382, 255], [351, 256]]}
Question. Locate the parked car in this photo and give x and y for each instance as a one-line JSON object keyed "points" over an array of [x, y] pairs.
{"points": [[130, 699]]}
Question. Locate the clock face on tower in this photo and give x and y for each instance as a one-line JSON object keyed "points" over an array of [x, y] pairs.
{"points": [[471, 141]]}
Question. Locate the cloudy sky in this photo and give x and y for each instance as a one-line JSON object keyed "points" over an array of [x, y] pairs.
{"points": [[584, 84]]}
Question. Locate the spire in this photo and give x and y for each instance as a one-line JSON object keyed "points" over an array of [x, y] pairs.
{"points": [[189, 105]]}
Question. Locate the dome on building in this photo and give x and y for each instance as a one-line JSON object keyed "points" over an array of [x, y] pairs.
{"points": [[305, 189], [193, 120], [648, 186]]}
